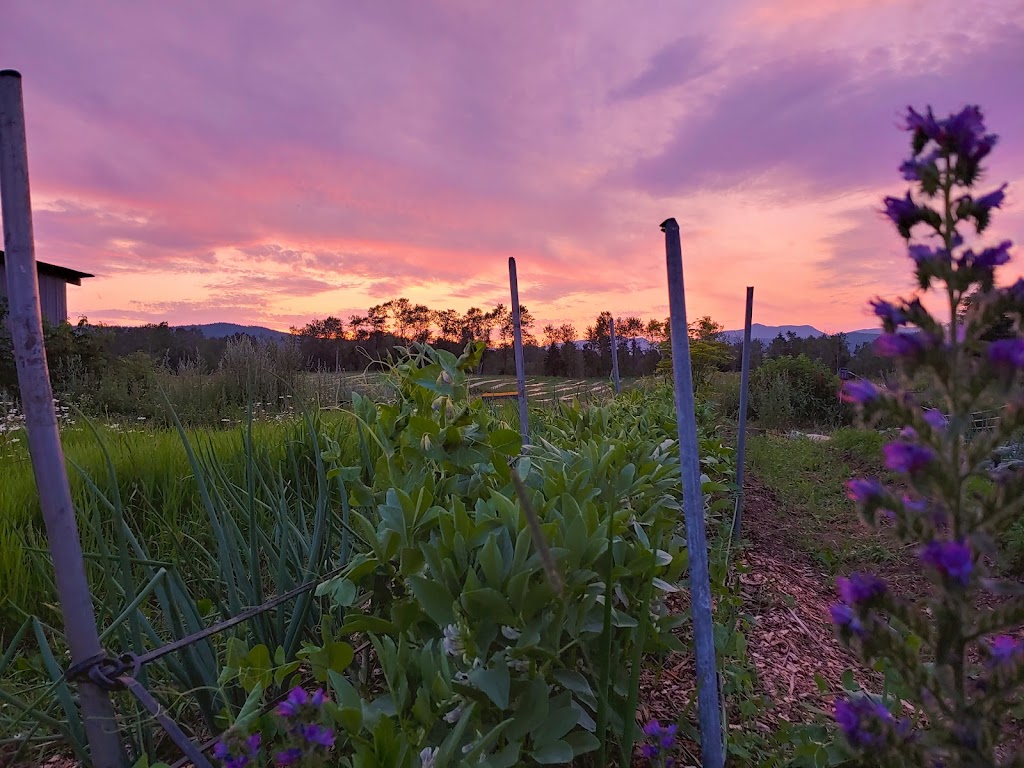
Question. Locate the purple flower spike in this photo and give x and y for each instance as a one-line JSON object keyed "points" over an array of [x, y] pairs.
{"points": [[296, 699], [990, 258], [903, 212], [288, 757], [652, 729], [1008, 353], [864, 722], [858, 391], [318, 697], [318, 735], [860, 588], [863, 490], [992, 199], [935, 419], [1004, 650], [221, 750], [922, 254], [649, 751], [844, 617], [950, 558], [907, 457], [898, 345], [926, 124], [889, 312]]}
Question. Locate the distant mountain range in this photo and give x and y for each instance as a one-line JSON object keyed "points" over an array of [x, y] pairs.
{"points": [[766, 333], [758, 331], [221, 330]]}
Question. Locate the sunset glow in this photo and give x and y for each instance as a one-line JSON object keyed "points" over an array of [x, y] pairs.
{"points": [[266, 163]]}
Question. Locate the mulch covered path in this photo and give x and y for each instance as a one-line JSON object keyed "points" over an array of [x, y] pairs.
{"points": [[791, 641]]}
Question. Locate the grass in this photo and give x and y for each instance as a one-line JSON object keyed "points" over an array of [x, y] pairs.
{"points": [[808, 479], [154, 478]]}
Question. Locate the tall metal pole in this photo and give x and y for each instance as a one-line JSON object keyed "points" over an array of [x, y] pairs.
{"points": [[517, 339], [41, 422], [615, 355], [741, 446], [711, 741]]}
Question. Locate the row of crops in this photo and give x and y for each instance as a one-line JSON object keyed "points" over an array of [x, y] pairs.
{"points": [[449, 629]]}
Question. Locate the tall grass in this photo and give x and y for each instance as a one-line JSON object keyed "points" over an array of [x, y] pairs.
{"points": [[155, 482]]}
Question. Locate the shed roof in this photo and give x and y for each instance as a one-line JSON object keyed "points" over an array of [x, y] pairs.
{"points": [[66, 274]]}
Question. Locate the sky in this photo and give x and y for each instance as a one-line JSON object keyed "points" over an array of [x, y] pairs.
{"points": [[267, 163]]}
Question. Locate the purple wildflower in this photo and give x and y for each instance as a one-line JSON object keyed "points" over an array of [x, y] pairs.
{"points": [[950, 558], [962, 132], [989, 258], [903, 212], [1004, 650], [906, 457], [236, 752], [862, 490], [898, 345], [934, 419], [915, 169], [664, 739], [991, 200], [318, 735], [288, 756], [858, 391], [318, 697], [922, 254], [889, 312], [843, 616], [926, 124], [860, 588], [297, 697], [864, 722], [1007, 352]]}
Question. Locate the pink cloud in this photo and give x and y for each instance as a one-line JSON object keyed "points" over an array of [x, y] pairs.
{"points": [[268, 163]]}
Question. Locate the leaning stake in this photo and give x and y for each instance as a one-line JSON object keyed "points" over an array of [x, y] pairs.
{"points": [[741, 446], [693, 508], [517, 340], [615, 355], [41, 422]]}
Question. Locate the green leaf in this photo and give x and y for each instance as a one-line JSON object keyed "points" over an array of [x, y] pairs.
{"points": [[582, 742], [555, 753], [507, 442], [434, 599], [495, 682], [489, 603], [374, 624], [251, 708], [555, 726], [491, 562], [573, 681]]}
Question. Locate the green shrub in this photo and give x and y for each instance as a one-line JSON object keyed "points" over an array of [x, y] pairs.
{"points": [[796, 392]]}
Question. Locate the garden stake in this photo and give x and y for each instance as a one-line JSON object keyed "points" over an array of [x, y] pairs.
{"points": [[741, 445], [517, 339], [41, 423], [693, 508], [615, 355]]}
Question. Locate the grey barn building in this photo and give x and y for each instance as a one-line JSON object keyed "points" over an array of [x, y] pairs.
{"points": [[53, 288]]}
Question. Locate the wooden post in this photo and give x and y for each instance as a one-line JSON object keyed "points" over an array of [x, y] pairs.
{"points": [[615, 355], [711, 741], [741, 446], [517, 339], [41, 423]]}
